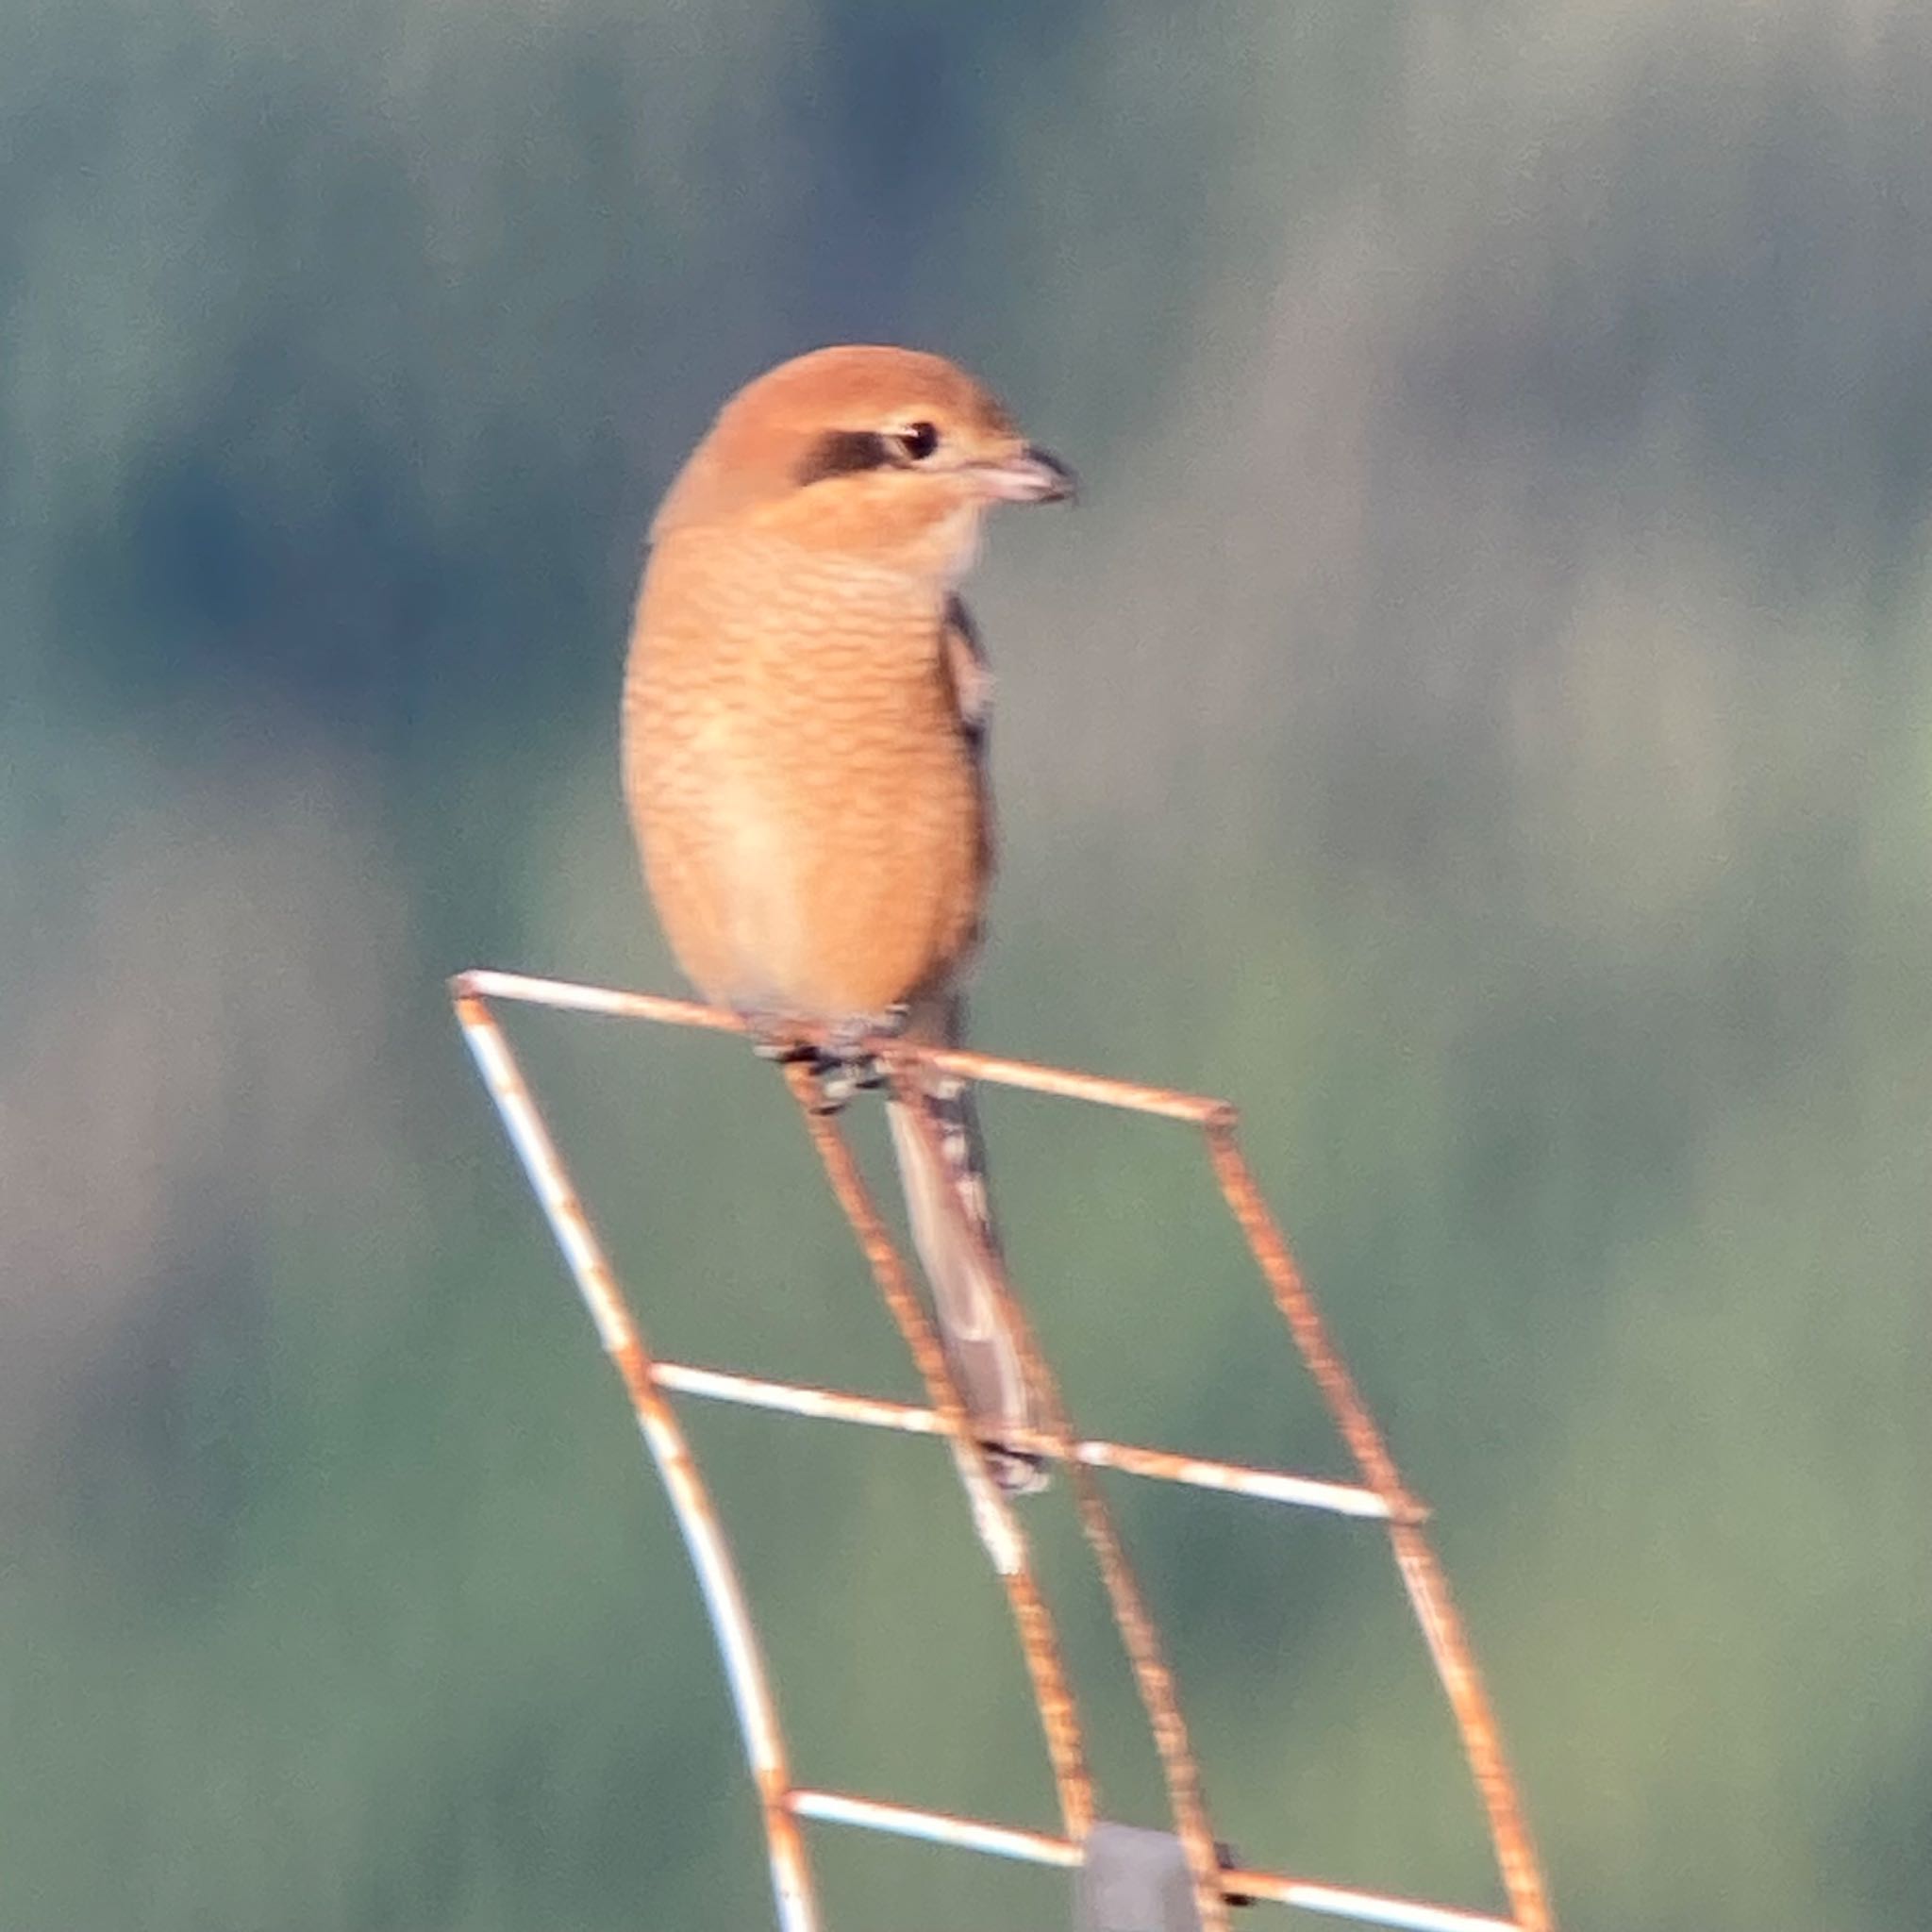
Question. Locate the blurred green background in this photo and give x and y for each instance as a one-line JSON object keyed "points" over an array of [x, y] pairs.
{"points": [[1480, 719]]}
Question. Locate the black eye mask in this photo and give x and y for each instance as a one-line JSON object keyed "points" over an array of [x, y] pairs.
{"points": [[843, 452]]}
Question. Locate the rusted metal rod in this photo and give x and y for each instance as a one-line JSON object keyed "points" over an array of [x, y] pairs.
{"points": [[690, 1502], [1421, 1575], [1153, 1678], [993, 1515], [1040, 1848], [1158, 1465], [568, 996]]}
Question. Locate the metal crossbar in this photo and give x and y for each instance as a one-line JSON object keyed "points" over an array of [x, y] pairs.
{"points": [[1162, 1465], [1380, 1495]]}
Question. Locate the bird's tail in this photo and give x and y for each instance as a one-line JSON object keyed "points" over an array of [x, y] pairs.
{"points": [[940, 1194]]}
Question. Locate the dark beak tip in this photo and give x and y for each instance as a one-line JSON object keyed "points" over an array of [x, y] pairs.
{"points": [[1058, 482], [1028, 475]]}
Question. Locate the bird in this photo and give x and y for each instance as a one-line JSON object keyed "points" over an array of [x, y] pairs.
{"points": [[804, 752]]}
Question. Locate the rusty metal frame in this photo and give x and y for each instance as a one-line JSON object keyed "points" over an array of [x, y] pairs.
{"points": [[1380, 1495]]}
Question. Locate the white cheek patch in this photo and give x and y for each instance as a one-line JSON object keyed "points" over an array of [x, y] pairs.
{"points": [[960, 535]]}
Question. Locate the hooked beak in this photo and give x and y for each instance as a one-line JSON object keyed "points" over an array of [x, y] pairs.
{"points": [[1032, 476]]}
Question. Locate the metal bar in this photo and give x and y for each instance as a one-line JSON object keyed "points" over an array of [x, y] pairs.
{"points": [[1366, 1908], [1153, 1678], [936, 1827], [1482, 1739], [704, 1536], [993, 1515], [1039, 1848], [1421, 1575], [568, 996], [1158, 1465]]}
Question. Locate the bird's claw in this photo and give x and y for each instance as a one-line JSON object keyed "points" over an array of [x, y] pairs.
{"points": [[838, 1080]]}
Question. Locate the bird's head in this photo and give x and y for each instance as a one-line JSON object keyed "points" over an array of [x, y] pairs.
{"points": [[887, 454]]}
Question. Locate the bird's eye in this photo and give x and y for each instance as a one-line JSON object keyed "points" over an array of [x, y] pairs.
{"points": [[917, 440]]}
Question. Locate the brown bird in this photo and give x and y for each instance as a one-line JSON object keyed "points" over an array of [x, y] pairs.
{"points": [[804, 752]]}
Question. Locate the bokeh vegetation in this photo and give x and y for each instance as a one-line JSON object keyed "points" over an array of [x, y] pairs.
{"points": [[1481, 719]]}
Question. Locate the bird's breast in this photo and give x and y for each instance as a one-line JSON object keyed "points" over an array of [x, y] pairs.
{"points": [[807, 801]]}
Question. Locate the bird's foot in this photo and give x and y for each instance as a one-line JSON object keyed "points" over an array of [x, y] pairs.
{"points": [[841, 1058], [849, 1061], [846, 1062]]}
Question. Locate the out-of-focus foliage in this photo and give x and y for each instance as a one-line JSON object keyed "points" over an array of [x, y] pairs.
{"points": [[1481, 719]]}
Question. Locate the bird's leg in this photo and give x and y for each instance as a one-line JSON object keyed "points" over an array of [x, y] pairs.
{"points": [[842, 1056]]}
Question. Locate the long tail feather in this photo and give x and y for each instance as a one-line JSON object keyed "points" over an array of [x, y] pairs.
{"points": [[940, 1194]]}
